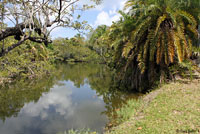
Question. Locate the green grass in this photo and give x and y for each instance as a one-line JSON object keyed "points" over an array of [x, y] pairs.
{"points": [[127, 110], [174, 108]]}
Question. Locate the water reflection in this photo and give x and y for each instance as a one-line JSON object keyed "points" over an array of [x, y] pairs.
{"points": [[76, 96]]}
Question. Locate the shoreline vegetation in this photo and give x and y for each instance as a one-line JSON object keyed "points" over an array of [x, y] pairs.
{"points": [[154, 42], [171, 108], [34, 60]]}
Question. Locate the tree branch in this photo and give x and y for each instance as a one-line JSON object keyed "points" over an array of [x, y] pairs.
{"points": [[13, 46], [11, 31]]}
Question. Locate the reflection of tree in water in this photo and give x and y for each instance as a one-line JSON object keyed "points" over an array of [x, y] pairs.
{"points": [[13, 97], [99, 77], [112, 97], [81, 73]]}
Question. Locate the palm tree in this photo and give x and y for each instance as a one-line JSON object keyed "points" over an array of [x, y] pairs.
{"points": [[162, 35], [95, 40]]}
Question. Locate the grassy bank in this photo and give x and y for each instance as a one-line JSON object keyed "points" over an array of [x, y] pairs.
{"points": [[173, 108]]}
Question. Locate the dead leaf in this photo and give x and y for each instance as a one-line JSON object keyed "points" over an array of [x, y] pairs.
{"points": [[140, 128]]}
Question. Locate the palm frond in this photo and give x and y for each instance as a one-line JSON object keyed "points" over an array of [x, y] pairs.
{"points": [[127, 48], [153, 39], [188, 16], [178, 46], [165, 45], [193, 30], [171, 47], [119, 51], [129, 3], [159, 21], [181, 32], [190, 46], [172, 15], [158, 55], [153, 7], [162, 48], [129, 60], [146, 47], [141, 29]]}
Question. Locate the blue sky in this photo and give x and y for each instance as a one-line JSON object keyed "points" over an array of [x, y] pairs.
{"points": [[104, 13]]}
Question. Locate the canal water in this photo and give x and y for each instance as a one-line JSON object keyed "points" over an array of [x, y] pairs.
{"points": [[76, 96]]}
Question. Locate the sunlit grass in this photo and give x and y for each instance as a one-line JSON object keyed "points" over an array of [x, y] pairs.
{"points": [[175, 109]]}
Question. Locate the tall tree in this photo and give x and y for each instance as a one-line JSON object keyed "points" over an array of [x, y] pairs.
{"points": [[34, 20], [161, 35]]}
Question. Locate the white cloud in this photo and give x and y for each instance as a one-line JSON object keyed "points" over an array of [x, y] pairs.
{"points": [[109, 12], [105, 13], [63, 108], [122, 3], [106, 4], [110, 4], [113, 12], [60, 98], [106, 18]]}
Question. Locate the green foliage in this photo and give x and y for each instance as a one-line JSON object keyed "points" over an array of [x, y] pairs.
{"points": [[74, 49], [196, 49], [98, 42], [33, 59], [98, 76], [151, 37], [28, 61], [184, 70], [21, 93], [101, 79], [171, 109], [142, 45], [127, 110]]}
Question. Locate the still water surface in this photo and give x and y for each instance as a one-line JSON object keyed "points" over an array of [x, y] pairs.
{"points": [[77, 96]]}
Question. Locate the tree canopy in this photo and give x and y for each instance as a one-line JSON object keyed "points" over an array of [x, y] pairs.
{"points": [[151, 37], [35, 20]]}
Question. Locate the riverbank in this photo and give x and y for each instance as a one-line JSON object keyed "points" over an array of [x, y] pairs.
{"points": [[173, 108]]}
